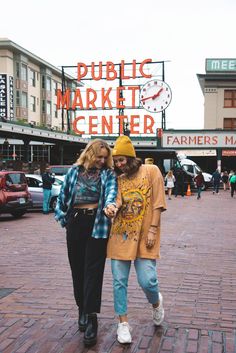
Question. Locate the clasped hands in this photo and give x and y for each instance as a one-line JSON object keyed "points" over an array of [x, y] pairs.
{"points": [[110, 210]]}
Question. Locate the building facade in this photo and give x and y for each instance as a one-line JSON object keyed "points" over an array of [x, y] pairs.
{"points": [[28, 86], [28, 95], [218, 85]]}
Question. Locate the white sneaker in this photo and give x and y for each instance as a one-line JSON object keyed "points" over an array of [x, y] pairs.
{"points": [[123, 333], [158, 313]]}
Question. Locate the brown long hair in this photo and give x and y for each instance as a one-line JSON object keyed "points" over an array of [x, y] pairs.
{"points": [[90, 153], [132, 166]]}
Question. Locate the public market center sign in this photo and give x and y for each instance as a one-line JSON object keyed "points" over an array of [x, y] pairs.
{"points": [[98, 104]]}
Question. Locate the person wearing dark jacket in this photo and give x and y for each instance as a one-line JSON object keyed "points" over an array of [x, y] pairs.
{"points": [[199, 180], [216, 178], [179, 182], [47, 180]]}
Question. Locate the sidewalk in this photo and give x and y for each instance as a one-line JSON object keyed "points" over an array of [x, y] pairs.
{"points": [[197, 275]]}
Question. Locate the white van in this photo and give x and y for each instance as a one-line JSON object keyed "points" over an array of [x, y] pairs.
{"points": [[191, 168]]}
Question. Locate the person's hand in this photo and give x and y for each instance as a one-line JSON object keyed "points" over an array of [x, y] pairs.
{"points": [[151, 239], [110, 211]]}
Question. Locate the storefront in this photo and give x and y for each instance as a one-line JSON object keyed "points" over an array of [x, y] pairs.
{"points": [[210, 149]]}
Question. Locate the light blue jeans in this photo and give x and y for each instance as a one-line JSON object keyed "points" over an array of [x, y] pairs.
{"points": [[46, 199], [146, 271]]}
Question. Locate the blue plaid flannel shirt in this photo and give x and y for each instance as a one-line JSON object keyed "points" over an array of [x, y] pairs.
{"points": [[107, 196]]}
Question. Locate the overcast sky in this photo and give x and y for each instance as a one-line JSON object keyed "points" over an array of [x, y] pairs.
{"points": [[182, 32]]}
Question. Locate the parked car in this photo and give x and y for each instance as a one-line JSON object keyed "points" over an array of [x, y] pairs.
{"points": [[59, 169], [14, 194], [35, 186]]}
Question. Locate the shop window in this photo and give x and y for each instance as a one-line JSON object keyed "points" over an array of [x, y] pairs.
{"points": [[229, 98], [230, 123]]}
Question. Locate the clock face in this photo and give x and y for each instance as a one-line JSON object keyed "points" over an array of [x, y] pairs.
{"points": [[155, 96]]}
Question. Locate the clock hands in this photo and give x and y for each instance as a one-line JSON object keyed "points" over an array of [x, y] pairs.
{"points": [[157, 94], [153, 96]]}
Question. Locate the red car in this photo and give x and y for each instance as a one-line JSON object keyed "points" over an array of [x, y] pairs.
{"points": [[14, 195]]}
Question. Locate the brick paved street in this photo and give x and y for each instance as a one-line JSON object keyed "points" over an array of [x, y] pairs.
{"points": [[197, 276]]}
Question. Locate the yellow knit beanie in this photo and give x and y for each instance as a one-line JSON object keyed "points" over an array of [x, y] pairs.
{"points": [[123, 147]]}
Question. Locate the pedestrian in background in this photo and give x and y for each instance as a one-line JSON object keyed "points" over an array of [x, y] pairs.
{"points": [[199, 180], [230, 174], [179, 182], [86, 200], [135, 232], [232, 181], [225, 180], [47, 179], [216, 178], [170, 183]]}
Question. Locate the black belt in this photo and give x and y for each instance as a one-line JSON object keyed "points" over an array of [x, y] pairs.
{"points": [[85, 211]]}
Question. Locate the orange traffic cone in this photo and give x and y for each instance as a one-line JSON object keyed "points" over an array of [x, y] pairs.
{"points": [[188, 193]]}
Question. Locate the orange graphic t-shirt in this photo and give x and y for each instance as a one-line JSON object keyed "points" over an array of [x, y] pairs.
{"points": [[137, 197]]}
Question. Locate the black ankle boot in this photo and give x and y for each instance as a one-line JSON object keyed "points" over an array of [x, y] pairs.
{"points": [[90, 335], [83, 320]]}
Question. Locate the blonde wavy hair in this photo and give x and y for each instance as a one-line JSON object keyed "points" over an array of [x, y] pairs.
{"points": [[170, 173], [91, 152]]}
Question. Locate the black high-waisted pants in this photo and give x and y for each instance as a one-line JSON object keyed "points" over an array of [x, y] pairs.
{"points": [[87, 257]]}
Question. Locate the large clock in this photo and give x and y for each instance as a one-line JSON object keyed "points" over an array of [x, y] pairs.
{"points": [[155, 96]]}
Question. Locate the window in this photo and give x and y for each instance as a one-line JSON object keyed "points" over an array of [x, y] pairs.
{"points": [[229, 98], [24, 100], [17, 70], [34, 183], [55, 87], [15, 178], [18, 98], [43, 106], [24, 72], [48, 108], [230, 123], [48, 84], [43, 82], [40, 153], [188, 168], [32, 76], [55, 111], [32, 104]]}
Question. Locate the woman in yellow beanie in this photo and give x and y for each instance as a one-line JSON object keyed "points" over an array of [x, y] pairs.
{"points": [[135, 232]]}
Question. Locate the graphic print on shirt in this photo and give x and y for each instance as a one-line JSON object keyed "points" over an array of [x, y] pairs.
{"points": [[133, 205], [88, 186], [135, 199]]}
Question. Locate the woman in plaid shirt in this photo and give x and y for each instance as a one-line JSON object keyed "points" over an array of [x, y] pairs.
{"points": [[84, 205]]}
